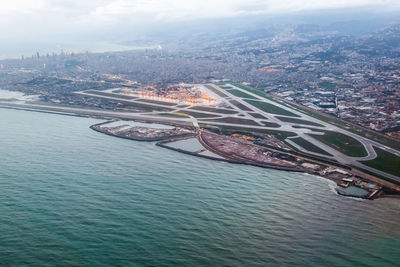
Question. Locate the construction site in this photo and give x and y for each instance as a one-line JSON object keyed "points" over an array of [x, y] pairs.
{"points": [[266, 152]]}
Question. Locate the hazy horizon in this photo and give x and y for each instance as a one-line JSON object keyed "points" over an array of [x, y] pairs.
{"points": [[107, 25]]}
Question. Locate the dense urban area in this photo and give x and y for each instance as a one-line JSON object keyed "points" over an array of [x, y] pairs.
{"points": [[300, 98], [354, 78]]}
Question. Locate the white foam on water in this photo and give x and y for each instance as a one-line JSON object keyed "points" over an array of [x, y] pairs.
{"points": [[16, 96]]}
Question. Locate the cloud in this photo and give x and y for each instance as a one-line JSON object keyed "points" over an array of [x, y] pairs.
{"points": [[20, 6], [111, 11], [170, 10], [23, 17]]}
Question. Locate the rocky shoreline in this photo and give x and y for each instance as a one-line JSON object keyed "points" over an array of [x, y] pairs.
{"points": [[237, 151]]}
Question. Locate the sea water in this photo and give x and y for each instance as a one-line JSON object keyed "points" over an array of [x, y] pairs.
{"points": [[70, 196]]}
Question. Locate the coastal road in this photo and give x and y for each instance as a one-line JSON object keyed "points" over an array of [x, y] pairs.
{"points": [[242, 114]]}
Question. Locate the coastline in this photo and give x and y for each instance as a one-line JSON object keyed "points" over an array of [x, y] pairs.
{"points": [[96, 127], [162, 141]]}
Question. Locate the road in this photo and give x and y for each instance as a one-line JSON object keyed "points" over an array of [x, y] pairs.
{"points": [[227, 105]]}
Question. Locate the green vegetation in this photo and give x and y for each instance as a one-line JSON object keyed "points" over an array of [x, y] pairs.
{"points": [[385, 161], [309, 146], [298, 121], [377, 175], [342, 143], [254, 91], [269, 108], [367, 133], [241, 94]]}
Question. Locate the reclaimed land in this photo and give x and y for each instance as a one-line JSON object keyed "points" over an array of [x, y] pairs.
{"points": [[163, 144], [102, 114], [125, 134], [343, 143], [251, 154], [385, 161], [239, 151], [247, 153], [281, 135]]}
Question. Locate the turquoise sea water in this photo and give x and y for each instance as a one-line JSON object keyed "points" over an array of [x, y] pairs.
{"points": [[70, 196]]}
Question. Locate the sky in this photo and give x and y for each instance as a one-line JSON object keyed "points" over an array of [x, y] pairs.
{"points": [[53, 13], [30, 20]]}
